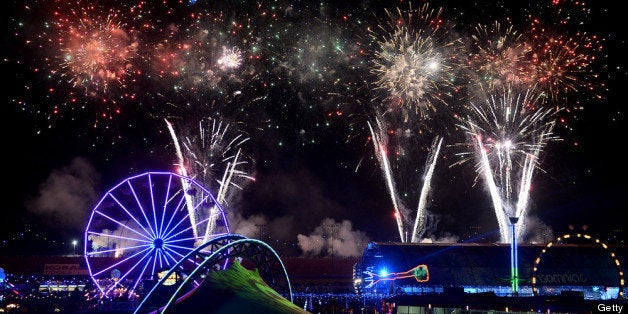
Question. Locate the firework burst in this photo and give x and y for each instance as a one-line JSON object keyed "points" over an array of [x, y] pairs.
{"points": [[91, 52], [95, 55], [200, 59], [230, 59], [498, 56], [508, 134], [413, 65], [563, 64]]}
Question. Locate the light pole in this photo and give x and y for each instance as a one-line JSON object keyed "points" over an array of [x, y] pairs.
{"points": [[333, 228], [74, 243], [514, 269]]}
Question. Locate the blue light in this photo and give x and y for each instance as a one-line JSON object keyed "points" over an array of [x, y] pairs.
{"points": [[383, 272]]}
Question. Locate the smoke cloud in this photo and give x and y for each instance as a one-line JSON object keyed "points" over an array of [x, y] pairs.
{"points": [[537, 231], [122, 238], [446, 238], [333, 238], [251, 227], [66, 197]]}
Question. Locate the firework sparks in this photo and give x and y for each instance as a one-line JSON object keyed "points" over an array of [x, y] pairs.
{"points": [[214, 157], [418, 231], [230, 59], [91, 49], [188, 59], [379, 142], [97, 54], [508, 135], [412, 65], [499, 56], [411, 226], [562, 64]]}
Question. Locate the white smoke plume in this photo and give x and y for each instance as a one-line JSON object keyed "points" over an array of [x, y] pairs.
{"points": [[68, 195], [251, 227], [446, 238], [122, 239], [537, 231], [263, 228], [333, 238]]}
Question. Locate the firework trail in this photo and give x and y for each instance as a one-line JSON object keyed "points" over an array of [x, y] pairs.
{"points": [[420, 220], [380, 140], [507, 134], [214, 157], [403, 215], [188, 198]]}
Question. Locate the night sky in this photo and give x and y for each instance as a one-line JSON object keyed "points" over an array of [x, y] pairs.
{"points": [[303, 88]]}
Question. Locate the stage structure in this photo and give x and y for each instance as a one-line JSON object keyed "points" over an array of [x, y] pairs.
{"points": [[217, 255]]}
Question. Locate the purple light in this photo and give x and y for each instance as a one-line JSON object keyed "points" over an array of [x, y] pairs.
{"points": [[156, 240]]}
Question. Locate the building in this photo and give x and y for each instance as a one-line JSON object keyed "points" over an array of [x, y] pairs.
{"points": [[592, 270]]}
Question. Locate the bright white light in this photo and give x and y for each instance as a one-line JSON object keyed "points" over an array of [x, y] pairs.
{"points": [[433, 65]]}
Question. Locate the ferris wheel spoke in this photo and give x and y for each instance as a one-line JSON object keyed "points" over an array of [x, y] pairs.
{"points": [[121, 279], [167, 254], [181, 247], [128, 213], [163, 212], [161, 264], [139, 204], [182, 256], [118, 237], [176, 226], [168, 236], [121, 224], [120, 262], [116, 250], [176, 209], [181, 240], [139, 278], [201, 202], [152, 200], [154, 264], [184, 230], [168, 257]]}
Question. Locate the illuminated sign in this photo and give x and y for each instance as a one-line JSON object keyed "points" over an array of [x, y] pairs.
{"points": [[64, 269], [419, 273], [171, 280]]}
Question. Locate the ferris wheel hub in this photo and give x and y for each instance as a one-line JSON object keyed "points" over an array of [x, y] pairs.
{"points": [[158, 243]]}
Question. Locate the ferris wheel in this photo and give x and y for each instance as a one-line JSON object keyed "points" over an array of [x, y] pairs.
{"points": [[146, 224]]}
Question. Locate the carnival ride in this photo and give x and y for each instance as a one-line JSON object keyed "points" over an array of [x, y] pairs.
{"points": [[146, 240]]}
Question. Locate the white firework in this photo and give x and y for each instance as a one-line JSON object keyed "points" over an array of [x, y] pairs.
{"points": [[508, 134]]}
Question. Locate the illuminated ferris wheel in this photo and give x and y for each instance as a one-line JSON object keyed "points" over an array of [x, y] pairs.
{"points": [[146, 224]]}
